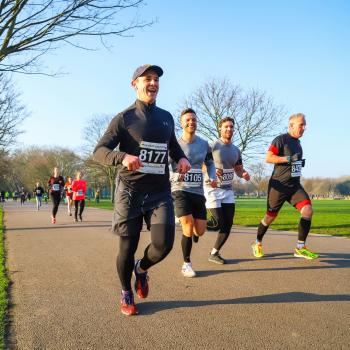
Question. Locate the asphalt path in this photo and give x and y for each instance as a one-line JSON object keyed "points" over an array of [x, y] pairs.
{"points": [[65, 294]]}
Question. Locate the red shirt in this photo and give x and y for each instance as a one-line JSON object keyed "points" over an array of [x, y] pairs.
{"points": [[79, 189]]}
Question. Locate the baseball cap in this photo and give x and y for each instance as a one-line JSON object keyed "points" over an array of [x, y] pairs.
{"points": [[142, 69]]}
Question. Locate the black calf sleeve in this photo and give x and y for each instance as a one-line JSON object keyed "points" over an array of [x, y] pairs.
{"points": [[125, 259], [224, 217], [303, 229], [261, 231], [162, 240], [186, 244]]}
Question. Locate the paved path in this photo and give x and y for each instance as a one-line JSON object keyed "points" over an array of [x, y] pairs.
{"points": [[65, 294]]}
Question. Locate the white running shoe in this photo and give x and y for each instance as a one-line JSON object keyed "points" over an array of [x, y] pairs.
{"points": [[187, 270]]}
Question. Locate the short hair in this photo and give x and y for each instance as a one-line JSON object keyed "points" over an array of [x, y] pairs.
{"points": [[188, 110], [226, 119], [296, 115]]}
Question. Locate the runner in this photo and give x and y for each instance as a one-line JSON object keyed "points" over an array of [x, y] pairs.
{"points": [[78, 187], [286, 154], [221, 200], [56, 184], [23, 196], [69, 195], [145, 135], [187, 189], [38, 193]]}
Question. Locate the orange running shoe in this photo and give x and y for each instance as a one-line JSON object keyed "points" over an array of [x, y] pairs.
{"points": [[141, 282], [127, 304]]}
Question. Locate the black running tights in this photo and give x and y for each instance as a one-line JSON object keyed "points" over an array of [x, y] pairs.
{"points": [[224, 217], [56, 198], [80, 204], [162, 240]]}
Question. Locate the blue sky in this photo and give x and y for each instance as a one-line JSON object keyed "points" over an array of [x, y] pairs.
{"points": [[298, 52]]}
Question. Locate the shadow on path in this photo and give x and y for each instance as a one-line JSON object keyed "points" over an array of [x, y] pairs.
{"points": [[148, 308], [59, 226]]}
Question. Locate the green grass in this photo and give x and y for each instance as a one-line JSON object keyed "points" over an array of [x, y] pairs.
{"points": [[3, 285], [330, 216]]}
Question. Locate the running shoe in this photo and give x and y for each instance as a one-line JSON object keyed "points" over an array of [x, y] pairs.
{"points": [[305, 253], [53, 220], [217, 259], [75, 220], [127, 304], [195, 238], [187, 270], [257, 250], [141, 282]]}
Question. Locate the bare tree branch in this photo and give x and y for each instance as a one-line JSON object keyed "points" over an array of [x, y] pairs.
{"points": [[28, 28], [257, 118], [12, 112]]}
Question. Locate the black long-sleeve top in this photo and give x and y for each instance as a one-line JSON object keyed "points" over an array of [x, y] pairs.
{"points": [[148, 132]]}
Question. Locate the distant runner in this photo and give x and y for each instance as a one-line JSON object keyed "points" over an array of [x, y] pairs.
{"points": [[38, 193], [56, 184], [79, 189], [69, 195]]}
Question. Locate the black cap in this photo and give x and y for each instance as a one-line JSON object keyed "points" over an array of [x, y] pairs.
{"points": [[142, 69]]}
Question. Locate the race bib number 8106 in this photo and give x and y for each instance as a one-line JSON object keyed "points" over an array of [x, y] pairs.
{"points": [[154, 157]]}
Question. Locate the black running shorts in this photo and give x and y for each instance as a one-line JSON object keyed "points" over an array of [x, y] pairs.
{"points": [[279, 193], [132, 207], [187, 203]]}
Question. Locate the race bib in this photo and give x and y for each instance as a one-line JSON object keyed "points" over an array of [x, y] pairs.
{"points": [[296, 168], [55, 187], [227, 177], [154, 157], [38, 191], [193, 178], [80, 193]]}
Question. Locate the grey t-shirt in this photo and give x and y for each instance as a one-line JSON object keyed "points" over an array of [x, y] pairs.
{"points": [[226, 157], [197, 152]]}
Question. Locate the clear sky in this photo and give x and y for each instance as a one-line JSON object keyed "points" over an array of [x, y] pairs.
{"points": [[298, 52]]}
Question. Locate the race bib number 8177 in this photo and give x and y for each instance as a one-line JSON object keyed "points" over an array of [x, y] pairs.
{"points": [[153, 157]]}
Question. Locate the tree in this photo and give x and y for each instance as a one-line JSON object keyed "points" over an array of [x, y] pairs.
{"points": [[258, 178], [12, 112], [29, 29], [99, 173], [38, 164], [257, 118], [343, 188]]}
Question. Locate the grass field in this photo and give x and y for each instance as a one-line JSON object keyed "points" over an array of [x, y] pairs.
{"points": [[3, 286], [330, 216]]}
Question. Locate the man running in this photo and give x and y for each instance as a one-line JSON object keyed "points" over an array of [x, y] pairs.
{"points": [[187, 189], [221, 200], [286, 154], [145, 135], [56, 184], [78, 187], [38, 193]]}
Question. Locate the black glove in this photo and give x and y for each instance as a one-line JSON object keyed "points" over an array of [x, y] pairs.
{"points": [[294, 157]]}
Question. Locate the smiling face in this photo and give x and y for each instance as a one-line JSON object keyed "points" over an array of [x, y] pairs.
{"points": [[226, 130], [297, 127], [147, 86], [189, 123]]}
